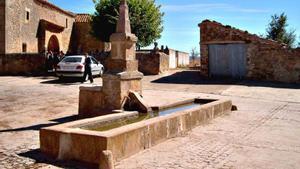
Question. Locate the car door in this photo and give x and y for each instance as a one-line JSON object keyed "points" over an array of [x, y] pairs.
{"points": [[95, 66]]}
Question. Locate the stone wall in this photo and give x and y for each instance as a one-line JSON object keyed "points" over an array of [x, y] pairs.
{"points": [[266, 59], [2, 26], [15, 64], [152, 63], [19, 31], [84, 41]]}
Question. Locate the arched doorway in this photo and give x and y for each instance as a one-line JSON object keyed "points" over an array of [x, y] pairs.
{"points": [[53, 44]]}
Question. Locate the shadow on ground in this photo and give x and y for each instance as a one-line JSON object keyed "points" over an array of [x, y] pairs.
{"points": [[39, 126], [41, 158], [195, 78], [64, 81]]}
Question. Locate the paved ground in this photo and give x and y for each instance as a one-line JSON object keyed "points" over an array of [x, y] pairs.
{"points": [[263, 133]]}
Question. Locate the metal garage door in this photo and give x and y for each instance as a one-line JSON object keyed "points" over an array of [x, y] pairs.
{"points": [[227, 60]]}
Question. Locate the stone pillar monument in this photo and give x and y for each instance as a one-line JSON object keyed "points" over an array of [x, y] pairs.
{"points": [[122, 73]]}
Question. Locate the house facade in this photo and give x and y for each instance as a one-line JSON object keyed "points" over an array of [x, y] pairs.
{"points": [[230, 52], [28, 28]]}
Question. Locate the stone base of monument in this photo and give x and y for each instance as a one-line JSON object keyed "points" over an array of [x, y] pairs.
{"points": [[97, 100]]}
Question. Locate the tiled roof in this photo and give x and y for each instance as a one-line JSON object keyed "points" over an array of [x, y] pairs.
{"points": [[83, 18], [54, 7]]}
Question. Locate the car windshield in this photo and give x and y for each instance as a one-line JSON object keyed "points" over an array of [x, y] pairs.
{"points": [[72, 60]]}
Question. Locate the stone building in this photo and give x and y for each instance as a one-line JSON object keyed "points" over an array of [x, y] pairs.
{"points": [[230, 52], [29, 27], [83, 40]]}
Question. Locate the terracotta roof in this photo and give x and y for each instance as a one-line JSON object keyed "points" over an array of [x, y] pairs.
{"points": [[83, 18], [54, 7]]}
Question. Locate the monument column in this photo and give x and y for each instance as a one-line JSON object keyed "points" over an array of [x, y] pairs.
{"points": [[122, 69]]}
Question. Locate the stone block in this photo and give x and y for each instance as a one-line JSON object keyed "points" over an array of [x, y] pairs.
{"points": [[49, 142], [185, 123], [81, 148], [91, 101], [208, 113], [173, 127], [158, 132], [137, 103], [128, 143], [218, 109], [106, 160], [227, 105]]}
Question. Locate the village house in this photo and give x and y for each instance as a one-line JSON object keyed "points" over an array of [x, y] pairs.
{"points": [[230, 52], [28, 28]]}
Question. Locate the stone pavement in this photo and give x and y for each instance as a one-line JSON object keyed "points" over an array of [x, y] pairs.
{"points": [[263, 133]]}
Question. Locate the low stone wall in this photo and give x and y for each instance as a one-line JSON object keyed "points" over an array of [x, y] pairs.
{"points": [[16, 64], [270, 63], [152, 63], [266, 59]]}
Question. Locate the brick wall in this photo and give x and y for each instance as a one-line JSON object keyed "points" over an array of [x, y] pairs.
{"points": [[152, 63], [2, 26], [15, 64], [266, 59]]}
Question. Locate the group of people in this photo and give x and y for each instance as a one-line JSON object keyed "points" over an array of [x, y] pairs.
{"points": [[52, 59]]}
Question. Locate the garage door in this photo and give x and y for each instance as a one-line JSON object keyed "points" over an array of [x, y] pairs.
{"points": [[227, 60]]}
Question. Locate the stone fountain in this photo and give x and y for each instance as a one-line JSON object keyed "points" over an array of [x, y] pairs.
{"points": [[111, 138], [122, 75]]}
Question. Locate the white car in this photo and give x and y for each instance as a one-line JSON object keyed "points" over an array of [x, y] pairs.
{"points": [[73, 66]]}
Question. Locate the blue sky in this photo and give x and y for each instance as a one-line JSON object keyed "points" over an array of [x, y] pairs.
{"points": [[182, 17]]}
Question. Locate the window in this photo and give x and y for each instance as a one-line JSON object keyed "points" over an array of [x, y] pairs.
{"points": [[24, 47], [66, 23], [94, 61], [72, 60], [27, 15]]}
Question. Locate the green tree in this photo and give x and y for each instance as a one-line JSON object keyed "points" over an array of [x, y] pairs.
{"points": [[145, 16], [277, 30]]}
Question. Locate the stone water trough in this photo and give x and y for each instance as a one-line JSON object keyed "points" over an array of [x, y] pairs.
{"points": [[127, 133]]}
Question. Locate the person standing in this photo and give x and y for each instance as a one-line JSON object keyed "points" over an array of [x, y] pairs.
{"points": [[88, 68], [61, 55], [50, 62]]}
